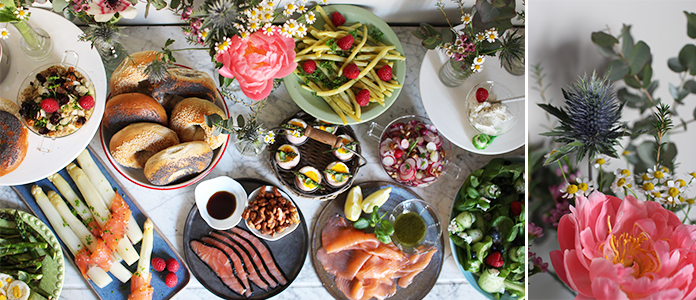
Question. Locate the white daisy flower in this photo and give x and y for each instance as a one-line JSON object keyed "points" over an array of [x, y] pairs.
{"points": [[585, 187], [600, 161], [301, 31], [268, 29], [476, 68], [269, 138], [267, 17], [22, 13], [238, 26], [479, 60], [285, 33], [221, 47], [491, 35], [648, 188], [569, 191], [254, 26], [291, 26], [674, 190], [310, 18], [622, 181], [324, 1], [657, 174], [466, 18], [4, 34], [244, 34], [659, 195], [252, 14], [289, 9], [301, 6], [204, 33], [480, 37]]}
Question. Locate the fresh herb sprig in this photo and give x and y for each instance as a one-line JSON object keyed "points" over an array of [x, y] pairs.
{"points": [[385, 229], [346, 146], [339, 176], [307, 180], [286, 155]]}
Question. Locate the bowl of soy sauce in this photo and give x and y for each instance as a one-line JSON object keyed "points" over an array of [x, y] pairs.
{"points": [[221, 202]]}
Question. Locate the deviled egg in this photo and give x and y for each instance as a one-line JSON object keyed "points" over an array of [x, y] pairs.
{"points": [[5, 281], [344, 154], [308, 179], [337, 174], [287, 156], [18, 290], [325, 126], [295, 136]]}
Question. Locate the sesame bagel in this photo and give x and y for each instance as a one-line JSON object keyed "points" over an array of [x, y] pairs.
{"points": [[178, 161], [133, 145], [188, 120], [129, 108], [130, 75], [13, 137]]}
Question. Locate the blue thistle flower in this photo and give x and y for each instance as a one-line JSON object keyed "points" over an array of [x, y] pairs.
{"points": [[589, 119]]}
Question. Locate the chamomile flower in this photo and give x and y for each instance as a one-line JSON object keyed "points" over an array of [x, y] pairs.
{"points": [[657, 174], [476, 68], [268, 29], [693, 174], [585, 187], [626, 153], [269, 138], [244, 34], [204, 33], [4, 34], [600, 161], [324, 1], [648, 188], [659, 195], [622, 181], [479, 60], [221, 47], [310, 18], [466, 18], [301, 31], [2, 6], [480, 37], [491, 35], [569, 191], [285, 33], [254, 26], [238, 26], [291, 26], [267, 17], [22, 13], [301, 6], [674, 190], [252, 14]]}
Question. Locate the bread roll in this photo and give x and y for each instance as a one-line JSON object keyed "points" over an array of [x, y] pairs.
{"points": [[129, 108], [178, 161], [13, 137], [133, 145], [188, 120], [130, 75], [183, 83]]}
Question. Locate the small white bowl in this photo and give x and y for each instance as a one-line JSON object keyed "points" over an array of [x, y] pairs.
{"points": [[206, 189], [285, 232]]}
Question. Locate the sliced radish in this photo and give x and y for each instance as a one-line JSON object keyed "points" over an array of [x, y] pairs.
{"points": [[388, 160], [405, 144], [435, 156]]}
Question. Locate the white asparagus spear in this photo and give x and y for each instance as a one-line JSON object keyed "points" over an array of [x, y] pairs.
{"points": [[71, 197], [83, 234], [95, 273], [99, 210], [104, 188], [146, 249]]}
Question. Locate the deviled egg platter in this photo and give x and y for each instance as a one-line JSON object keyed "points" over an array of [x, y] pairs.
{"points": [[308, 179]]}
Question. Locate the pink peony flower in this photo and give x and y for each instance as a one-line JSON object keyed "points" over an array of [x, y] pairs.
{"points": [[625, 249], [257, 60], [103, 10]]}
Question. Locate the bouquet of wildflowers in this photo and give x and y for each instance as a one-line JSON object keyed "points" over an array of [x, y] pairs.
{"points": [[477, 36]]}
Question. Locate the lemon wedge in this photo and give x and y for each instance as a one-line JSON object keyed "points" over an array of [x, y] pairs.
{"points": [[353, 204], [376, 199]]}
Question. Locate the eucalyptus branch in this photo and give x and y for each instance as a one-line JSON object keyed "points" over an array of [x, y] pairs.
{"points": [[635, 76]]}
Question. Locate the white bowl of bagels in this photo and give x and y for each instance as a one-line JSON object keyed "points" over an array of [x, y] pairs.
{"points": [[154, 134]]}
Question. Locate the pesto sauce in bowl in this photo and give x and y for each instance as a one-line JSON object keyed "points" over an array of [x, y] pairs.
{"points": [[409, 229]]}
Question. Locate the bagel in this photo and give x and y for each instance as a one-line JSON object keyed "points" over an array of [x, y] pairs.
{"points": [[181, 83], [13, 137], [133, 145], [178, 161], [129, 108], [188, 120], [130, 75]]}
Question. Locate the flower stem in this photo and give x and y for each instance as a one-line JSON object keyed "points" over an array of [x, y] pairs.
{"points": [[563, 172], [28, 33]]}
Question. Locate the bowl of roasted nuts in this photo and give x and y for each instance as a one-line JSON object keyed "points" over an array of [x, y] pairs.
{"points": [[270, 213]]}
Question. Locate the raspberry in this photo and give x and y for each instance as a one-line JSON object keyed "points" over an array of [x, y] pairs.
{"points": [[172, 265], [50, 105], [495, 260], [86, 102], [158, 264], [481, 95], [363, 97], [337, 19], [345, 42], [385, 73], [171, 280], [351, 71], [309, 66], [516, 208]]}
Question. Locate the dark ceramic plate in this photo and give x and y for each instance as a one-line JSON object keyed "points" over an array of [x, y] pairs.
{"points": [[422, 283], [289, 261], [161, 247]]}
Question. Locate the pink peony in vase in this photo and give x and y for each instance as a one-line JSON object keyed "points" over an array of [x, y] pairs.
{"points": [[256, 60], [625, 249]]}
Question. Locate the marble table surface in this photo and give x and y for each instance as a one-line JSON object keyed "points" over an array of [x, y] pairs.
{"points": [[169, 209]]}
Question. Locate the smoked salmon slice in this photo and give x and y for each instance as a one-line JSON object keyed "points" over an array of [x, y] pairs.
{"points": [[114, 228], [345, 264], [219, 263], [140, 287], [263, 251], [415, 268], [236, 261], [248, 264], [254, 255]]}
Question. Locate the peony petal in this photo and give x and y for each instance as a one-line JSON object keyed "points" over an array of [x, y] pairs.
{"points": [[605, 288], [556, 257], [578, 277]]}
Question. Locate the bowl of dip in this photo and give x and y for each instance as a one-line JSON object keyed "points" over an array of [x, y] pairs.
{"points": [[221, 201], [489, 118], [417, 227]]}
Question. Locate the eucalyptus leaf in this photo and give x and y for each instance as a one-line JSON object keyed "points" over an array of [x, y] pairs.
{"points": [[603, 39], [690, 24], [607, 51], [175, 4], [629, 99], [58, 6], [419, 34], [240, 121], [646, 152], [690, 85], [638, 57], [632, 82], [158, 4], [429, 41], [674, 65], [668, 154], [687, 57], [647, 75], [617, 70], [626, 39]]}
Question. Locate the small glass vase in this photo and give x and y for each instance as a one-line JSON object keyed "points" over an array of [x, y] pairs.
{"points": [[35, 43], [453, 73], [250, 145], [112, 53], [514, 66]]}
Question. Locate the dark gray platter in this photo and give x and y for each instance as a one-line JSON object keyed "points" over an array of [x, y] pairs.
{"points": [[288, 252], [423, 282]]}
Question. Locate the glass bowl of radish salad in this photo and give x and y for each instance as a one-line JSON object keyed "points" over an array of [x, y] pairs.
{"points": [[412, 151]]}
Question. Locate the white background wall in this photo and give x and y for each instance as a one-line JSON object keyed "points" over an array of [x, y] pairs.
{"points": [[559, 38]]}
